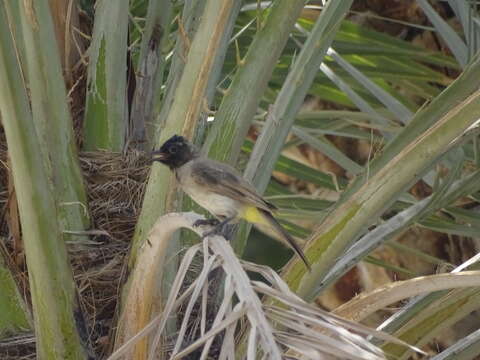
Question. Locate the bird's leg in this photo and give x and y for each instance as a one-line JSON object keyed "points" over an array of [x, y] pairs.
{"points": [[208, 222], [218, 229]]}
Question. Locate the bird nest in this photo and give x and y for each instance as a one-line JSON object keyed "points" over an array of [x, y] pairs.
{"points": [[115, 185]]}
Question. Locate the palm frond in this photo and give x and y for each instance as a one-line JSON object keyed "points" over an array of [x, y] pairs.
{"points": [[286, 325]]}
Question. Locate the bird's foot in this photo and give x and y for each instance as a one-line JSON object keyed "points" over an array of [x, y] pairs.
{"points": [[206, 222], [224, 230], [217, 230], [217, 227]]}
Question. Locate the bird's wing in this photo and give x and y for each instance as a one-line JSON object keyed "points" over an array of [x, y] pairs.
{"points": [[225, 180]]}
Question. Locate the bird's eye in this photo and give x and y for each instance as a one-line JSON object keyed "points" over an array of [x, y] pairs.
{"points": [[173, 150]]}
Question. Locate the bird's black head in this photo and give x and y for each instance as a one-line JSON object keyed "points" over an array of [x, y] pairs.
{"points": [[175, 152]]}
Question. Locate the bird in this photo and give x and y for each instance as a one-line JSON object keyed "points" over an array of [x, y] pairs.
{"points": [[220, 189]]}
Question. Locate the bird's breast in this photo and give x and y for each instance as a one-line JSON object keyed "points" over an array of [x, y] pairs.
{"points": [[218, 205]]}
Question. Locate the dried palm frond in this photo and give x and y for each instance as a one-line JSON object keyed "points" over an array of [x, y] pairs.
{"points": [[254, 317]]}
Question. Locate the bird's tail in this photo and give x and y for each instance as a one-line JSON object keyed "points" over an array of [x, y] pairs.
{"points": [[291, 241]]}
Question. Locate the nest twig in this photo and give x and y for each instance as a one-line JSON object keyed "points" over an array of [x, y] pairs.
{"points": [[115, 186]]}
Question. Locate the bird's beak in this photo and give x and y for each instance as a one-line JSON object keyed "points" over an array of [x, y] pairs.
{"points": [[157, 156]]}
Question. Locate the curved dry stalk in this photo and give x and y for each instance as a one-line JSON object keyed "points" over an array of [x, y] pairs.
{"points": [[144, 291], [292, 325], [364, 305]]}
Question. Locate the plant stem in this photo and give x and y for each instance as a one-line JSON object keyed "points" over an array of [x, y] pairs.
{"points": [[348, 221], [288, 102], [57, 313], [241, 100], [51, 116], [106, 112], [14, 313], [188, 104], [149, 79], [426, 117]]}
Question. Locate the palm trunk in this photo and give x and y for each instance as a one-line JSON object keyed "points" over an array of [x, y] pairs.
{"points": [[57, 312], [51, 115]]}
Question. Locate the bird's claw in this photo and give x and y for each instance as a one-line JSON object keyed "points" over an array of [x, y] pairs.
{"points": [[214, 231], [204, 222]]}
